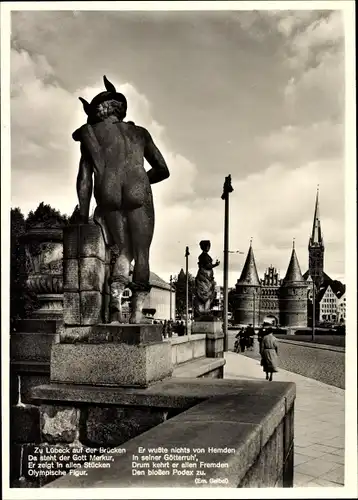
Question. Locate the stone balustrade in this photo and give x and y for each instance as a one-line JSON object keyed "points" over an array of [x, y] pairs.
{"points": [[252, 419]]}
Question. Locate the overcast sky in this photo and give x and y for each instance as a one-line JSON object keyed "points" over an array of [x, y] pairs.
{"points": [[259, 95]]}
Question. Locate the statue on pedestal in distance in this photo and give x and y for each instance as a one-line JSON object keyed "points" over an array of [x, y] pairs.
{"points": [[112, 162], [204, 282]]}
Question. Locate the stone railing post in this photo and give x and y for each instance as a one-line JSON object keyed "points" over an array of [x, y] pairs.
{"points": [[85, 277], [214, 337]]}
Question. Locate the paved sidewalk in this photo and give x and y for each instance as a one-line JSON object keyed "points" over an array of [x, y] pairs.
{"points": [[319, 423]]}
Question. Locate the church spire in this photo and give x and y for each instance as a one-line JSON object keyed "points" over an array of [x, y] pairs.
{"points": [[293, 273], [249, 274], [316, 236], [316, 249]]}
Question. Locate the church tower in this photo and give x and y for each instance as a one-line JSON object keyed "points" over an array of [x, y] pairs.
{"points": [[293, 300], [247, 293], [316, 249]]}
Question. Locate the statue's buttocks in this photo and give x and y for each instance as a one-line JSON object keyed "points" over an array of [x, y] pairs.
{"points": [[112, 162], [124, 184]]}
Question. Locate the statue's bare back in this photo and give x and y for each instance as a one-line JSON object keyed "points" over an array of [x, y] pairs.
{"points": [[125, 184], [113, 152]]}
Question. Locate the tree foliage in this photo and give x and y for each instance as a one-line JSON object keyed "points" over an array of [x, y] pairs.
{"points": [[179, 282], [22, 301], [231, 300], [45, 216]]}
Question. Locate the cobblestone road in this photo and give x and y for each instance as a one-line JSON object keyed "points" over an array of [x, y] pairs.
{"points": [[322, 365]]}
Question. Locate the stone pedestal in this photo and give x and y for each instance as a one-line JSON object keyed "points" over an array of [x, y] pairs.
{"points": [[85, 273], [114, 355], [214, 337], [207, 327], [30, 353]]}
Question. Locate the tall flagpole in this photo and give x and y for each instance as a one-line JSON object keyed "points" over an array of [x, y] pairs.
{"points": [[313, 310], [227, 189], [186, 290], [171, 300]]}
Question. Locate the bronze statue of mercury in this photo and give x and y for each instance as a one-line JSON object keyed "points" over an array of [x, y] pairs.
{"points": [[112, 165]]}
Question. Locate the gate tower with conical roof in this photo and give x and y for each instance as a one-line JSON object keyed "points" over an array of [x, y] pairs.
{"points": [[293, 295], [247, 294]]}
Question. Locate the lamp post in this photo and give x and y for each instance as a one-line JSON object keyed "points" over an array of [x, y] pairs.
{"points": [[186, 290], [227, 189], [313, 310], [253, 312], [256, 343], [170, 298]]}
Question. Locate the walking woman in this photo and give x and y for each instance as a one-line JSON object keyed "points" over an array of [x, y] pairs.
{"points": [[268, 351]]}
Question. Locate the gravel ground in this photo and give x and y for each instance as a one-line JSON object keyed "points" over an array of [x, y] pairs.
{"points": [[323, 365]]}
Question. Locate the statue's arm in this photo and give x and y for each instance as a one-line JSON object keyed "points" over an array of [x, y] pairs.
{"points": [[84, 186], [159, 170], [208, 263]]}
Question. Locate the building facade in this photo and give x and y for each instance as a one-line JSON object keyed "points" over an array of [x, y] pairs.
{"points": [[218, 301], [270, 300], [289, 302], [341, 309], [328, 305], [269, 305], [332, 304], [161, 298], [329, 294]]}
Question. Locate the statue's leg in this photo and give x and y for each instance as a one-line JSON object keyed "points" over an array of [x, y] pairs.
{"points": [[118, 283], [118, 226], [141, 228]]}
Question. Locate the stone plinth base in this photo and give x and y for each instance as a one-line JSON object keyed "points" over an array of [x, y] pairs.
{"points": [[36, 325], [30, 352], [214, 337], [209, 318], [114, 332], [33, 339], [111, 364], [114, 355], [207, 327]]}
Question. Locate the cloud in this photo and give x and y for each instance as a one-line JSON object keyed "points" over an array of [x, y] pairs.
{"points": [[299, 144], [289, 22], [315, 57], [321, 87], [273, 207], [45, 156], [262, 102], [321, 35], [40, 143]]}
